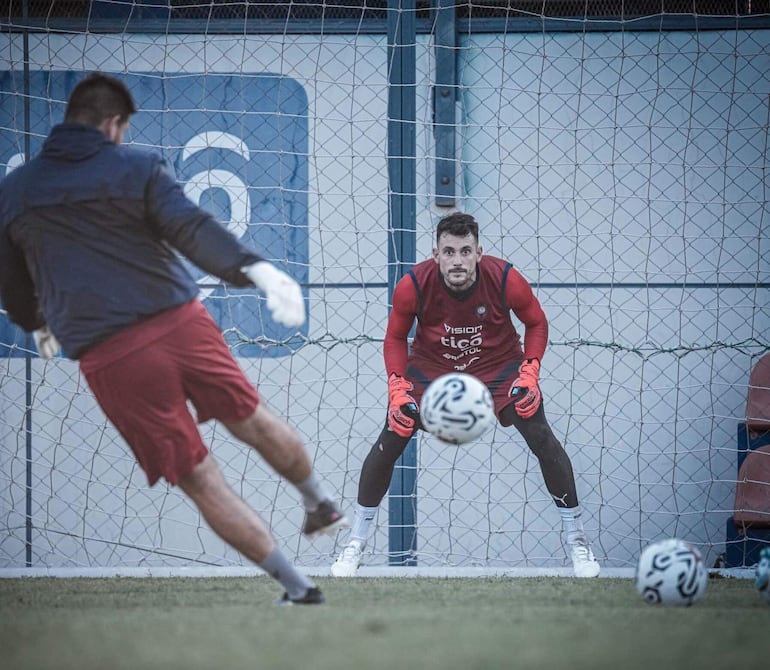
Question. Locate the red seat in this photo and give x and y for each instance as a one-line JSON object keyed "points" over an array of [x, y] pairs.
{"points": [[752, 490], [758, 399]]}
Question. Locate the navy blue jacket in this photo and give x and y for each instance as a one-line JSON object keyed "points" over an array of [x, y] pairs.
{"points": [[89, 235]]}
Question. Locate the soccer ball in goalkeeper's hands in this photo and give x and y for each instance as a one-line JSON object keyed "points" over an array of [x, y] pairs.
{"points": [[457, 408], [762, 573], [671, 572]]}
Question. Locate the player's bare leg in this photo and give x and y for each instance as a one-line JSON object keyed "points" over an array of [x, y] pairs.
{"points": [[281, 446], [276, 441], [226, 512], [241, 527]]}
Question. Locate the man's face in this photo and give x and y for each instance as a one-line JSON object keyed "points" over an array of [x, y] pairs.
{"points": [[457, 258]]}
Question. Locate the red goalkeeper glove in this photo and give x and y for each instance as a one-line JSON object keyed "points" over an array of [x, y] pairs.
{"points": [[525, 389], [402, 407]]}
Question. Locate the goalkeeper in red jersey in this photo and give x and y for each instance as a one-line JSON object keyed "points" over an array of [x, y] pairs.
{"points": [[457, 292], [89, 235]]}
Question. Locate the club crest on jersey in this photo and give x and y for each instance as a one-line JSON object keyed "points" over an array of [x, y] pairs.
{"points": [[481, 311]]}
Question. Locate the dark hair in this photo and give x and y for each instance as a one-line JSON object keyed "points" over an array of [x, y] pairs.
{"points": [[97, 98], [459, 225]]}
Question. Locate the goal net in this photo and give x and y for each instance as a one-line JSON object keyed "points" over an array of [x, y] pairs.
{"points": [[618, 159]]}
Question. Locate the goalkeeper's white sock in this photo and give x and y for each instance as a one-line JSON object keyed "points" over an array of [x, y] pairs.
{"points": [[362, 522], [312, 492], [572, 524]]}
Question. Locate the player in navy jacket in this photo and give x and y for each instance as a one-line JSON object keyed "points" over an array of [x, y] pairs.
{"points": [[90, 228], [89, 236]]}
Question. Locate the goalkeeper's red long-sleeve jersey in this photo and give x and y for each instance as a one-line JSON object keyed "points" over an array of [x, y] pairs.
{"points": [[471, 331]]}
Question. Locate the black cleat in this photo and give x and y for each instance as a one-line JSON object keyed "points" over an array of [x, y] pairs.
{"points": [[325, 520], [313, 596]]}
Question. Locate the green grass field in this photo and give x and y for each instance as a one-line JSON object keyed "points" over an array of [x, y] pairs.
{"points": [[373, 623]]}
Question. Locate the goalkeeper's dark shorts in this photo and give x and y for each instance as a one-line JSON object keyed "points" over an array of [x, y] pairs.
{"points": [[144, 376]]}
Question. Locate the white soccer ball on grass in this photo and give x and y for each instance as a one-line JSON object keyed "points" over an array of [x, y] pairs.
{"points": [[671, 572], [457, 408], [762, 574]]}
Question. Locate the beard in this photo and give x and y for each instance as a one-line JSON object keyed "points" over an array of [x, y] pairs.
{"points": [[458, 279]]}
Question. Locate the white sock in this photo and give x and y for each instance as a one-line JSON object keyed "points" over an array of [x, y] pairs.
{"points": [[280, 568], [571, 523], [362, 522]]}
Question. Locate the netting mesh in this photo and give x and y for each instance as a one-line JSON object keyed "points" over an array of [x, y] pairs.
{"points": [[623, 172], [374, 9]]}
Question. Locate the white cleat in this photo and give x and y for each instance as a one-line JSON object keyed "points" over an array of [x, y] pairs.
{"points": [[349, 559], [583, 561]]}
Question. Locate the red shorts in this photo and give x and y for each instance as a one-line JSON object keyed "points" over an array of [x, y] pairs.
{"points": [[143, 377]]}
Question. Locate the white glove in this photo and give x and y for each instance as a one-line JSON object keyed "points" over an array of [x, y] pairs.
{"points": [[284, 295], [47, 344]]}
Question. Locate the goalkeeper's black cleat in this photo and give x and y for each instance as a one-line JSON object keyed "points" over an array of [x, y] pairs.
{"points": [[325, 520], [313, 596]]}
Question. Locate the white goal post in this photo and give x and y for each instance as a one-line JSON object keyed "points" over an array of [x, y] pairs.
{"points": [[622, 169]]}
